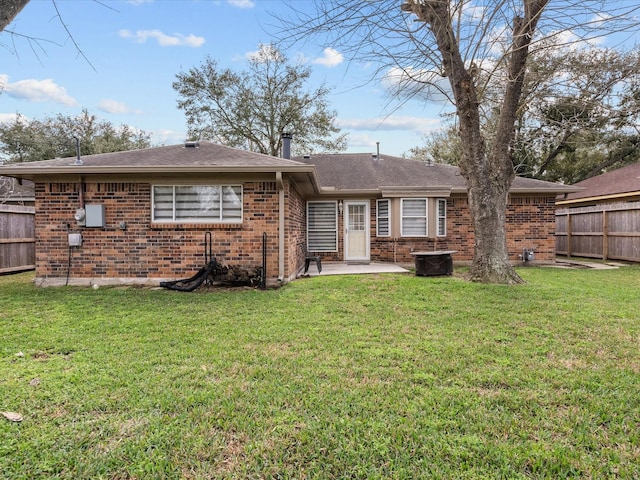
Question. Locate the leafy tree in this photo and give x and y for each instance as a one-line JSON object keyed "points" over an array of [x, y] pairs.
{"points": [[432, 39], [442, 146], [26, 140], [252, 109], [579, 116]]}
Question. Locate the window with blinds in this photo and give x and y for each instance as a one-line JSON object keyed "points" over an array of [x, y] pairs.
{"points": [[442, 217], [383, 218], [413, 222], [322, 227], [197, 203]]}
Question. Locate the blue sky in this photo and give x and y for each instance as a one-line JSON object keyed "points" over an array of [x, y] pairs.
{"points": [[130, 52], [134, 49]]}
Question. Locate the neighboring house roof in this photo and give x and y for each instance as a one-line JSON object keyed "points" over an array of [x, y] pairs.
{"points": [[359, 172], [13, 192], [622, 183], [347, 173]]}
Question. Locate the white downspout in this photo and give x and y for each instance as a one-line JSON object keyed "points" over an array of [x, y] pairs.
{"points": [[281, 225]]}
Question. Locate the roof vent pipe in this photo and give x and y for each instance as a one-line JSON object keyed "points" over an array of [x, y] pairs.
{"points": [[78, 159], [378, 149], [286, 145]]}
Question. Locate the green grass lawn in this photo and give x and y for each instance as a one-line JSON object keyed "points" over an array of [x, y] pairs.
{"points": [[388, 376]]}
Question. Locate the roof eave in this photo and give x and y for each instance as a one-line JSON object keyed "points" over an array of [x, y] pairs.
{"points": [[550, 191], [31, 172], [598, 198]]}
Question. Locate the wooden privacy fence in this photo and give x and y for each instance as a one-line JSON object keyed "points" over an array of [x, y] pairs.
{"points": [[609, 231], [17, 238]]}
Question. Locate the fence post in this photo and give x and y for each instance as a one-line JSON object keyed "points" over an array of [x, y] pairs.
{"points": [[568, 234], [605, 234]]}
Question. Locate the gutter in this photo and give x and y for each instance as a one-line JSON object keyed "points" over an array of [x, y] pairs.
{"points": [[29, 172], [613, 196]]}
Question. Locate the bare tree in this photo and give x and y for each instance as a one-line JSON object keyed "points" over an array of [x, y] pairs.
{"points": [[8, 11], [428, 40]]}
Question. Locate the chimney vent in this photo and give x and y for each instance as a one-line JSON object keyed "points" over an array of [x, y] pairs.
{"points": [[286, 145], [78, 159]]}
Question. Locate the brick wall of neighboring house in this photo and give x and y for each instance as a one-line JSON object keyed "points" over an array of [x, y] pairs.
{"points": [[143, 249], [530, 224]]}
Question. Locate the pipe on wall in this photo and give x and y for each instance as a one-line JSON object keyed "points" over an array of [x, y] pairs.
{"points": [[280, 185]]}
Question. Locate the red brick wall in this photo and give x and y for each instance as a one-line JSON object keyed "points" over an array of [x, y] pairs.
{"points": [[143, 249], [296, 229], [530, 224]]}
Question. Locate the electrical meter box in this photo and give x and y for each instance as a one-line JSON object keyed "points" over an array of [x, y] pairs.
{"points": [[94, 215]]}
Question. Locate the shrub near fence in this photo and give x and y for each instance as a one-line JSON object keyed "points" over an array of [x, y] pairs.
{"points": [[17, 238], [608, 231]]}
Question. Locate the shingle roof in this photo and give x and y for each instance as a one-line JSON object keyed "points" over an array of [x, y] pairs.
{"points": [[625, 180], [11, 189], [167, 158], [345, 172], [359, 171]]}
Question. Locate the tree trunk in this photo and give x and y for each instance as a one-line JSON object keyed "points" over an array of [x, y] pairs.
{"points": [[488, 205], [488, 174], [8, 10]]}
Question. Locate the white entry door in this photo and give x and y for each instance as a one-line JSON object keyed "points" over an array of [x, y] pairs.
{"points": [[356, 232]]}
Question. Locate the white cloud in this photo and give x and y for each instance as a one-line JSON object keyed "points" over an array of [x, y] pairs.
{"points": [[8, 117], [34, 90], [164, 40], [167, 137], [113, 106], [241, 3], [414, 82], [391, 123], [474, 13], [330, 58], [264, 52]]}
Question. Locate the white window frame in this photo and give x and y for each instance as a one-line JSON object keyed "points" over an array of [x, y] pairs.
{"points": [[330, 230], [385, 219], [207, 214], [441, 217], [405, 219]]}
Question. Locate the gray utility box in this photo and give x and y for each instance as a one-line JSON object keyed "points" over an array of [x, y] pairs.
{"points": [[94, 215]]}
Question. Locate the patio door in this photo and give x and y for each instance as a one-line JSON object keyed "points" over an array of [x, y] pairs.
{"points": [[356, 231]]}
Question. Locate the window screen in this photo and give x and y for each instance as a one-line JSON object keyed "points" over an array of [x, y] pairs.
{"points": [[383, 227], [414, 217], [197, 203], [322, 227]]}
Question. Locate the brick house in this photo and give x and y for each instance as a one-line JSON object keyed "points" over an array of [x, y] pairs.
{"points": [[143, 214]]}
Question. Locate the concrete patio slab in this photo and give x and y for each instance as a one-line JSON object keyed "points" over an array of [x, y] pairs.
{"points": [[341, 268]]}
